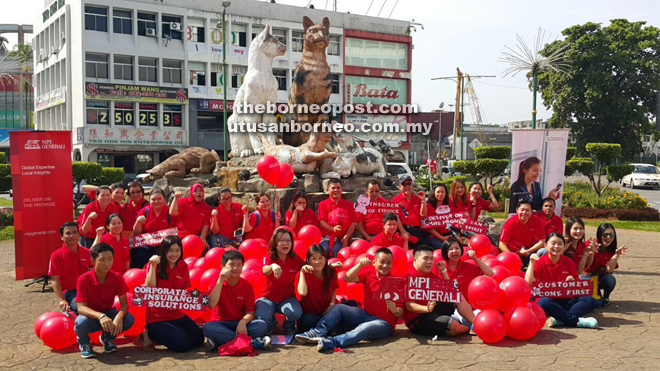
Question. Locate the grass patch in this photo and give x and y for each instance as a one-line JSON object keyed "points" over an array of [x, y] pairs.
{"points": [[6, 202], [7, 233], [625, 224], [498, 216]]}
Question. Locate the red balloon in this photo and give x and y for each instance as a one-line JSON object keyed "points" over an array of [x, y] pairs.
{"points": [[516, 291], [371, 252], [487, 257], [254, 248], [257, 279], [489, 325], [494, 262], [399, 260], [355, 291], [139, 314], [57, 332], [286, 175], [310, 235], [190, 261], [300, 249], [199, 264], [134, 277], [95, 337], [293, 233], [349, 263], [483, 293], [522, 323], [342, 284], [43, 318], [213, 258], [269, 169], [208, 280], [344, 253], [410, 254], [510, 260], [494, 250], [195, 275], [192, 246], [540, 313], [480, 243], [359, 247], [499, 273], [253, 265]]}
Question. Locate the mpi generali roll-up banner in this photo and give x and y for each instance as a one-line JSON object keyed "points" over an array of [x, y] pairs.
{"points": [[43, 200]]}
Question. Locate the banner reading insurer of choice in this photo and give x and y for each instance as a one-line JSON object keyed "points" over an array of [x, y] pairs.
{"points": [[43, 201], [135, 93]]}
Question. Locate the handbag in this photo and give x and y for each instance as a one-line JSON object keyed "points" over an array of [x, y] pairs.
{"points": [[241, 345]]}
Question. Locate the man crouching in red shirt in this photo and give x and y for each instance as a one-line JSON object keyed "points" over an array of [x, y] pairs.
{"points": [[96, 295], [388, 236]]}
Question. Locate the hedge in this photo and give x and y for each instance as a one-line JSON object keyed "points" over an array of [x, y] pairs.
{"points": [[582, 164], [490, 167], [5, 177], [86, 170], [466, 167], [493, 152], [109, 175], [571, 152], [3, 158], [616, 172], [648, 214], [604, 152]]}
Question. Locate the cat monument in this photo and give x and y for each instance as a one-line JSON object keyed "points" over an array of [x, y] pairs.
{"points": [[259, 87]]}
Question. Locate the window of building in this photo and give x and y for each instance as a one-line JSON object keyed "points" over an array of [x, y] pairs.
{"points": [[96, 19], [144, 162], [148, 69], [172, 27], [335, 83], [124, 114], [146, 21], [377, 54], [123, 67], [97, 112], [256, 30], [237, 74], [96, 65], [197, 73], [122, 21], [171, 71], [148, 114], [279, 34], [297, 41], [280, 75], [239, 35], [333, 46], [196, 34], [210, 121], [105, 159], [172, 116]]}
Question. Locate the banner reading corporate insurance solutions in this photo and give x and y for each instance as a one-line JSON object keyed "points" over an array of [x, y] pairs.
{"points": [[43, 198]]}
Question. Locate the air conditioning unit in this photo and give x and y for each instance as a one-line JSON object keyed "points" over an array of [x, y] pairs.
{"points": [[151, 32], [175, 26]]}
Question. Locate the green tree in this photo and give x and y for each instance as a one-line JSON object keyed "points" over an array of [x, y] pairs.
{"points": [[604, 153], [609, 92], [23, 54]]}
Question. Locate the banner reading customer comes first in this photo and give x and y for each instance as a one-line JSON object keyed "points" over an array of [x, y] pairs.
{"points": [[43, 198]]}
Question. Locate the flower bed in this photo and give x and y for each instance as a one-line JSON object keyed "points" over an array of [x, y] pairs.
{"points": [[648, 214], [580, 195]]}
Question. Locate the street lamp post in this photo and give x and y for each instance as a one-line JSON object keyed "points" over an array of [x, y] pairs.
{"points": [[225, 138]]}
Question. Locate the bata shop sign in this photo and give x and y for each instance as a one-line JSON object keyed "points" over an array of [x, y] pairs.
{"points": [[133, 93], [144, 137], [377, 90]]}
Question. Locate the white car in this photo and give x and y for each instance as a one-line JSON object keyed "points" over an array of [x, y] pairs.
{"points": [[644, 175], [399, 168]]}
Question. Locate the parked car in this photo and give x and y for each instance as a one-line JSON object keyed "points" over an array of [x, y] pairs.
{"points": [[644, 175], [147, 186], [399, 168], [79, 195]]}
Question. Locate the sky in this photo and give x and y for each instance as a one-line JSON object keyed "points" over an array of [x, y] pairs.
{"points": [[470, 34]]}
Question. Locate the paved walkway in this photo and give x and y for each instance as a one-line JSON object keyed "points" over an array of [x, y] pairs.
{"points": [[628, 338]]}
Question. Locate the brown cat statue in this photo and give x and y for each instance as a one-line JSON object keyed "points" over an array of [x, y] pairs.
{"points": [[312, 82]]}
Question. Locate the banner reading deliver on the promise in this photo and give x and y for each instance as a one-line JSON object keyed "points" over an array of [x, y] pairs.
{"points": [[43, 197]]}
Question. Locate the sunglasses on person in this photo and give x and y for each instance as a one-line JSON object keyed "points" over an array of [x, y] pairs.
{"points": [[225, 198], [406, 184], [609, 235], [135, 192]]}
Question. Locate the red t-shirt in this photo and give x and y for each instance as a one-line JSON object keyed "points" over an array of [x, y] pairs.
{"points": [[555, 224], [412, 206], [307, 218], [235, 302], [578, 253], [464, 274], [69, 265], [481, 205], [155, 223], [546, 271], [412, 272], [101, 216], [381, 240], [122, 252], [516, 235], [177, 278], [459, 207], [278, 289], [100, 296], [373, 306], [317, 299], [439, 209], [372, 222], [129, 213], [601, 259], [264, 229], [230, 220], [327, 206], [193, 216]]}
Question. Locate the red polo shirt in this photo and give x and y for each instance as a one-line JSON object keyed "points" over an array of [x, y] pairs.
{"points": [[372, 222], [278, 289], [547, 271], [177, 278], [155, 223], [307, 218], [601, 259], [481, 205], [327, 206], [234, 302], [100, 296], [230, 220], [381, 240], [516, 235], [412, 206], [555, 224], [69, 265], [192, 216], [459, 207], [129, 213], [264, 229], [317, 299], [412, 272], [122, 252], [373, 306], [464, 274], [100, 218], [579, 253]]}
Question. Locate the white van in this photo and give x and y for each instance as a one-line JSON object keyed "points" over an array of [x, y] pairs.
{"points": [[399, 168]]}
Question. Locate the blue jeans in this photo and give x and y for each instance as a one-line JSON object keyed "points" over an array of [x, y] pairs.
{"points": [[568, 311], [221, 332], [85, 326], [140, 256], [70, 296], [542, 251], [308, 321], [606, 282], [86, 241], [364, 325], [218, 240], [178, 335], [325, 242], [290, 307], [435, 243]]}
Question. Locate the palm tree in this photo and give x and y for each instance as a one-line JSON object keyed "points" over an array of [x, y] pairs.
{"points": [[3, 42], [24, 54]]}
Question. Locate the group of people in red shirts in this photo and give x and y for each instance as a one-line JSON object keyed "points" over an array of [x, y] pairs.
{"points": [[315, 317]]}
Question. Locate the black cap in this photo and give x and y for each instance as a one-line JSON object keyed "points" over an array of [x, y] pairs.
{"points": [[404, 177]]}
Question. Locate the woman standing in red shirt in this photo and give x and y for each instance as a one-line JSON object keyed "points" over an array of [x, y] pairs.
{"points": [[438, 204], [605, 260], [262, 222], [170, 327], [317, 287], [95, 214], [299, 215], [459, 201], [152, 218], [114, 226]]}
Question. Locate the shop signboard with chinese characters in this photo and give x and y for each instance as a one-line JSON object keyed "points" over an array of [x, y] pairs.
{"points": [[140, 137], [139, 93]]}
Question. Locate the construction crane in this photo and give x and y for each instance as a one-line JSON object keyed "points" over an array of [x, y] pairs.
{"points": [[478, 115]]}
